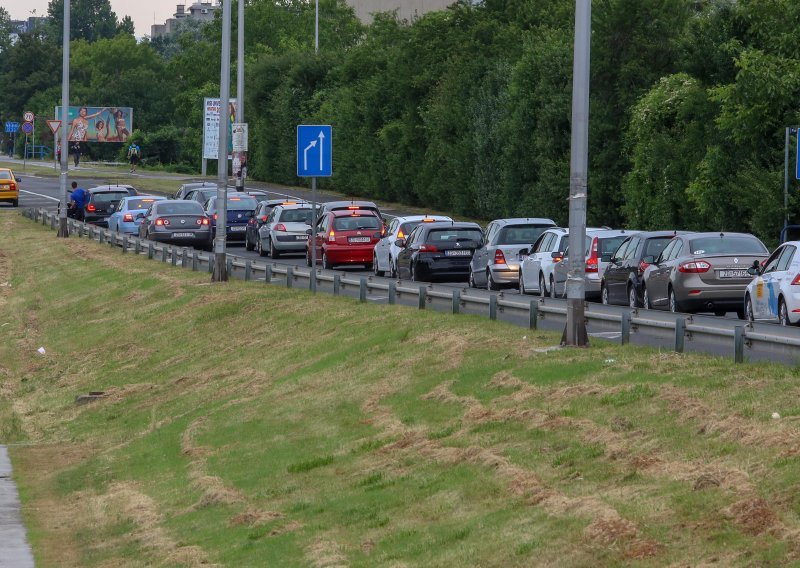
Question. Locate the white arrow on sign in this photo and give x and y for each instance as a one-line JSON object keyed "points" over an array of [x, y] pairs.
{"points": [[321, 153], [305, 154], [54, 125]]}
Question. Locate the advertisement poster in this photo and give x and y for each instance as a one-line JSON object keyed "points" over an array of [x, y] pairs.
{"points": [[211, 127], [98, 124]]}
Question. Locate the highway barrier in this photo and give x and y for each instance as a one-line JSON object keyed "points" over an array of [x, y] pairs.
{"points": [[741, 340]]}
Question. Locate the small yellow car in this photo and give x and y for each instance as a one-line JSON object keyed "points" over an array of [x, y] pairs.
{"points": [[9, 187]]}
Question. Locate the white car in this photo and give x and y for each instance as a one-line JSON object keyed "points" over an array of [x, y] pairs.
{"points": [[774, 293], [385, 253], [536, 269]]}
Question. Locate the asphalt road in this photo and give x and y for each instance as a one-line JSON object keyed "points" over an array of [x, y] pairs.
{"points": [[15, 552]]}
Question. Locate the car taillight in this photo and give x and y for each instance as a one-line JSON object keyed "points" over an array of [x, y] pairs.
{"points": [[160, 221], [13, 186], [331, 237], [280, 227], [694, 266], [205, 221], [215, 216], [591, 262], [642, 267], [558, 259], [91, 207], [263, 218], [401, 235], [428, 248], [499, 257], [796, 281], [127, 218]]}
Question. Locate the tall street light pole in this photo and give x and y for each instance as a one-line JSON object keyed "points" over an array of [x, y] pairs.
{"points": [[575, 332], [789, 131], [220, 273], [63, 230], [313, 246], [240, 88]]}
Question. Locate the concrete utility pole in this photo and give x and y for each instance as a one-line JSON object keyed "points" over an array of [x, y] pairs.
{"points": [[240, 87], [63, 230], [220, 273], [575, 332], [314, 179]]}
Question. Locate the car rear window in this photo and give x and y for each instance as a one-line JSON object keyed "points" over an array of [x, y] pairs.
{"points": [[654, 246], [5, 175], [204, 194], [109, 196], [142, 203], [606, 246], [520, 234], [727, 244], [179, 208], [296, 216], [453, 235], [238, 203], [356, 223]]}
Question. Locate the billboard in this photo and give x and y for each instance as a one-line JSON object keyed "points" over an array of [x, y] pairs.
{"points": [[211, 127], [98, 124]]}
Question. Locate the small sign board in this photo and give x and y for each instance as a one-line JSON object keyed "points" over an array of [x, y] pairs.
{"points": [[12, 127], [239, 134], [28, 116], [314, 151], [54, 126], [27, 127]]}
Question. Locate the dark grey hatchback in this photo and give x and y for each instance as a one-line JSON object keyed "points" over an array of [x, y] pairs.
{"points": [[177, 222], [103, 202]]}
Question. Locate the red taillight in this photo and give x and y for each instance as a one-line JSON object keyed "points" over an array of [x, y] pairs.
{"points": [[161, 221], [263, 218], [499, 257], [428, 248], [205, 221], [694, 266], [331, 237], [127, 218], [796, 281], [591, 262], [13, 186], [91, 207], [280, 227], [215, 216], [642, 267]]}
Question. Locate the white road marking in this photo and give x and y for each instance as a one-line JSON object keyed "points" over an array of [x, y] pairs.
{"points": [[39, 195]]}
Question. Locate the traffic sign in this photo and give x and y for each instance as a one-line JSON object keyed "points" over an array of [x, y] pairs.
{"points": [[12, 127], [54, 126], [28, 116], [27, 127], [314, 151]]}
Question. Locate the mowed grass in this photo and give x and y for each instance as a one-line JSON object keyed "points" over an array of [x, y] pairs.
{"points": [[250, 425]]}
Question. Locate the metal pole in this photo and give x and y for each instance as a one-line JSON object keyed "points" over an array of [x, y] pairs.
{"points": [[220, 273], [786, 179], [313, 247], [63, 229], [240, 87], [316, 27], [575, 332]]}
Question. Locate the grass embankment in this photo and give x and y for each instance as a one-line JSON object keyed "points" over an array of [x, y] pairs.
{"points": [[247, 425]]}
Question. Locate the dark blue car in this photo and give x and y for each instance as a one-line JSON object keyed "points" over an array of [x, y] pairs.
{"points": [[241, 207]]}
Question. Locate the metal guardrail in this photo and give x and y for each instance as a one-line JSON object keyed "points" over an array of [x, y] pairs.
{"points": [[676, 332]]}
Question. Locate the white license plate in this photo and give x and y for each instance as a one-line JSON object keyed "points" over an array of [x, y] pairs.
{"points": [[301, 237], [179, 235], [733, 274], [458, 253], [359, 239], [238, 228]]}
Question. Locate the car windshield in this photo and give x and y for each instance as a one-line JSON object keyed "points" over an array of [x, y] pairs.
{"points": [[204, 194], [179, 208], [242, 203], [5, 175], [445, 236], [296, 216], [356, 222], [654, 246], [141, 203], [521, 234], [108, 196], [727, 244]]}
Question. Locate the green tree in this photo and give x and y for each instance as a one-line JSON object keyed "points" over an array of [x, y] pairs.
{"points": [[89, 20]]}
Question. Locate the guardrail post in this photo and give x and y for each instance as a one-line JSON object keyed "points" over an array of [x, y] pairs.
{"points": [[211, 260], [174, 256], [362, 290], [195, 261], [392, 293], [423, 294], [124, 244], [456, 301], [312, 281], [738, 344], [289, 276], [184, 257], [625, 328], [493, 307], [267, 274], [248, 269], [101, 238], [680, 334], [337, 284], [229, 265], [533, 315], [164, 251]]}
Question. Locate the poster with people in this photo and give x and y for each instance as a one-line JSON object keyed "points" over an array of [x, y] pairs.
{"points": [[98, 124]]}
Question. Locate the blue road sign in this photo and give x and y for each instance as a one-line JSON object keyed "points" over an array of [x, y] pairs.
{"points": [[314, 151], [12, 127], [27, 127]]}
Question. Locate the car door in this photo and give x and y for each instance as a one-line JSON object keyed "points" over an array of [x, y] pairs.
{"points": [[383, 246], [322, 233], [657, 282], [767, 288], [614, 277], [548, 263], [144, 228], [405, 254], [529, 269], [481, 256]]}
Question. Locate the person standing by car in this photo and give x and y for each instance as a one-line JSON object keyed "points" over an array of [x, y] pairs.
{"points": [[78, 199], [133, 155]]}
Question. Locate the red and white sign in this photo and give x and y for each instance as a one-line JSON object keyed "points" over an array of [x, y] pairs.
{"points": [[54, 126], [28, 116]]}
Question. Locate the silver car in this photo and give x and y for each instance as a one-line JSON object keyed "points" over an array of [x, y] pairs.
{"points": [[496, 263], [537, 263], [285, 230]]}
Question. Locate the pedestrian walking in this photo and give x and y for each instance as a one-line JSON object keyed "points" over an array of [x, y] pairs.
{"points": [[78, 199], [134, 153], [58, 152], [76, 152]]}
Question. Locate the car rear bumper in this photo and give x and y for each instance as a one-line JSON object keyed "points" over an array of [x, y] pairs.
{"points": [[9, 195], [456, 269], [349, 254], [198, 238], [729, 298], [289, 243], [129, 228], [99, 220], [505, 273]]}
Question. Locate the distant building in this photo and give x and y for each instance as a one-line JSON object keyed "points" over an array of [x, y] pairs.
{"points": [[26, 26], [203, 10], [406, 9]]}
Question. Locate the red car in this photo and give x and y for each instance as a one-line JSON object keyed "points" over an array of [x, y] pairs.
{"points": [[346, 237]]}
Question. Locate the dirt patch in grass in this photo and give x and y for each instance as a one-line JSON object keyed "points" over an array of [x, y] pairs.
{"points": [[254, 518], [324, 553], [754, 516], [213, 488]]}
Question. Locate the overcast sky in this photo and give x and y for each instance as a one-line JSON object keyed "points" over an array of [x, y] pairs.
{"points": [[141, 11]]}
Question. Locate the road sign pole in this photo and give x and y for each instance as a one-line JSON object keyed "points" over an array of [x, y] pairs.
{"points": [[63, 228], [220, 273], [240, 89], [313, 246], [575, 331]]}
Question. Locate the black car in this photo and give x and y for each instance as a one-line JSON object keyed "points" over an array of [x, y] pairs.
{"points": [[324, 208], [622, 281], [176, 222], [240, 209], [438, 251], [103, 202]]}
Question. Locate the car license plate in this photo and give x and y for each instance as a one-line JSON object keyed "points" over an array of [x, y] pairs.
{"points": [[359, 239], [301, 237], [733, 274], [238, 228], [178, 235], [456, 252]]}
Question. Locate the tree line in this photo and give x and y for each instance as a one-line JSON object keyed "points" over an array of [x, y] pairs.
{"points": [[467, 110]]}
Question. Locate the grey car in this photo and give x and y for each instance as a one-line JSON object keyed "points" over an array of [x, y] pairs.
{"points": [[703, 272], [285, 230], [184, 190], [496, 263]]}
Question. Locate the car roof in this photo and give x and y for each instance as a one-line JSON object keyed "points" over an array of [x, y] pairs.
{"points": [[196, 184], [147, 196], [346, 212], [100, 188], [347, 203], [452, 225], [523, 220], [410, 218], [174, 201], [718, 234], [657, 234], [610, 233], [294, 206]]}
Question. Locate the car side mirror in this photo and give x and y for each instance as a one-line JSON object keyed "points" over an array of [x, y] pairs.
{"points": [[557, 255], [309, 232], [649, 260], [753, 271], [400, 243], [378, 235], [607, 257], [140, 216], [524, 252]]}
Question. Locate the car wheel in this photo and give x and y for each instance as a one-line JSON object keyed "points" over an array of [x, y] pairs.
{"points": [[15, 203], [471, 280], [604, 294], [413, 271], [392, 269], [490, 283], [633, 301], [326, 264], [552, 288], [260, 248], [375, 266], [646, 300], [522, 289], [673, 302], [542, 287], [783, 313], [273, 252], [247, 245], [748, 309]]}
